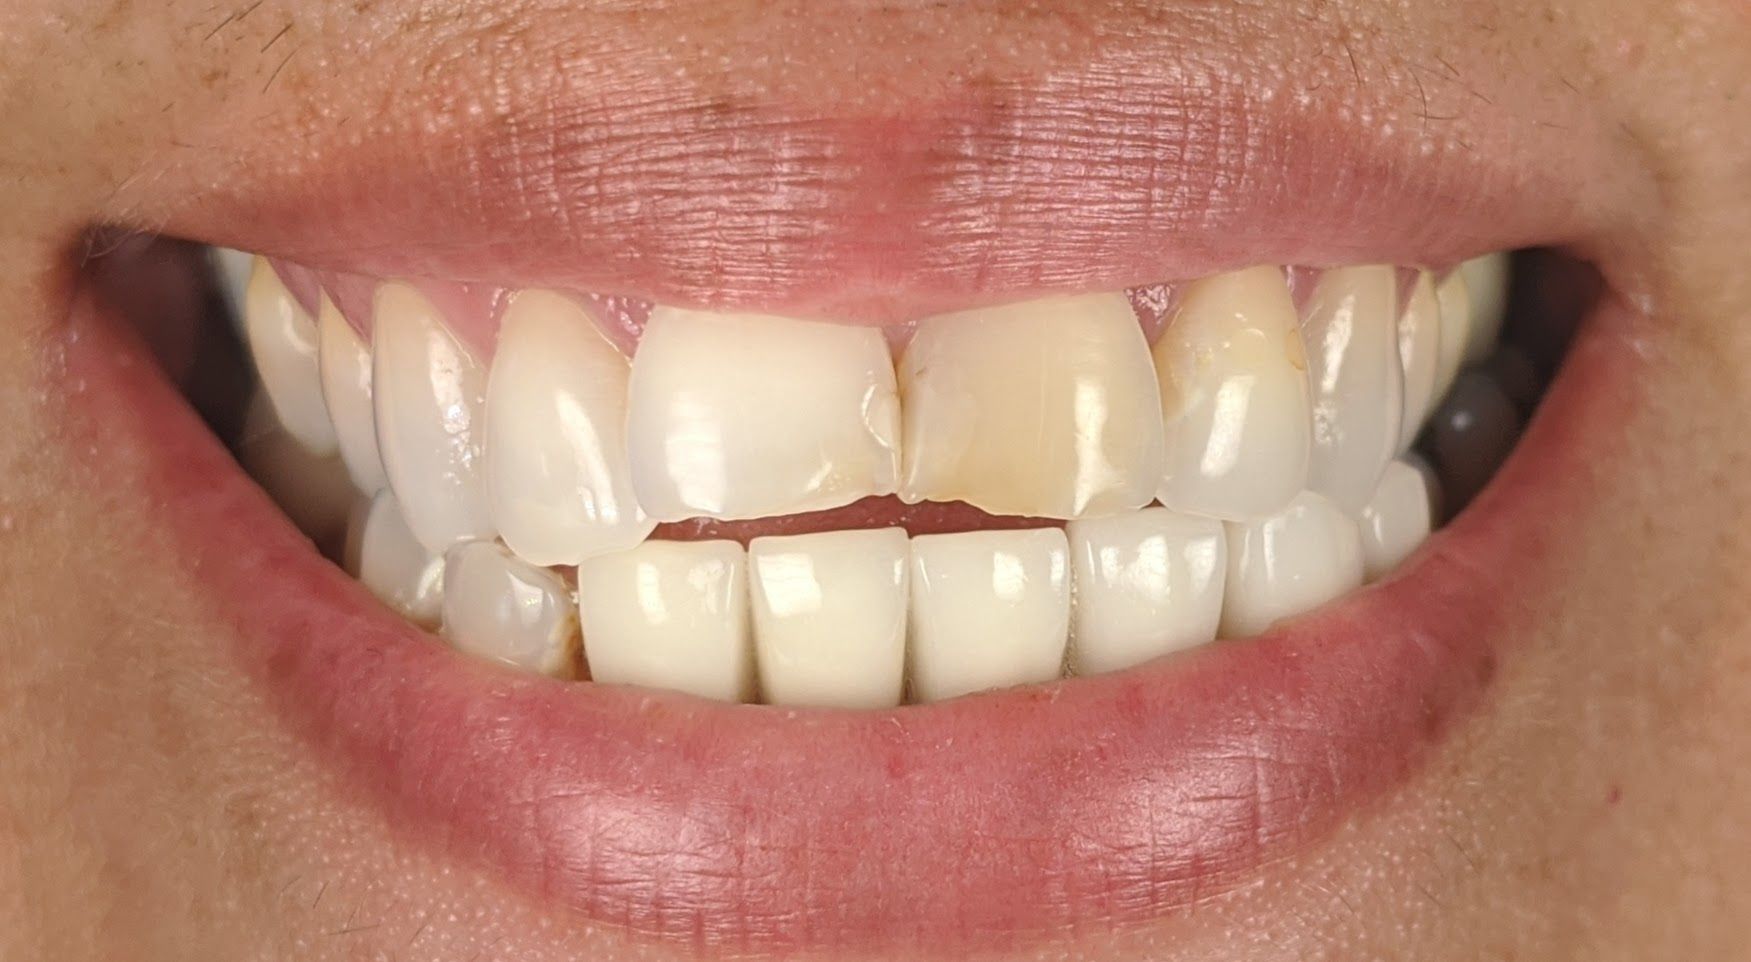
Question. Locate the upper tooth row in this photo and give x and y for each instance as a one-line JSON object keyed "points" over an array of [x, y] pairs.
{"points": [[1056, 408]]}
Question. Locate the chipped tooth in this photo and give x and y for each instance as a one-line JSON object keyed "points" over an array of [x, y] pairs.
{"points": [[1397, 521], [503, 609], [1234, 397], [345, 364], [990, 609], [1486, 280], [672, 615], [1419, 353], [386, 558], [1471, 435], [1351, 332], [428, 392], [1283, 566], [282, 341], [1455, 303], [557, 473], [830, 617], [1045, 409], [744, 416], [1146, 583], [312, 490]]}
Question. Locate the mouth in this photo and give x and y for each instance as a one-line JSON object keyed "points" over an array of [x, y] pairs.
{"points": [[922, 595]]}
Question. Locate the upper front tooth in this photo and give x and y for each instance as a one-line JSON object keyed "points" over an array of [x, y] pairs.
{"points": [[1234, 397], [990, 609], [1289, 564], [1147, 583], [1486, 280], [501, 608], [1351, 333], [1396, 521], [669, 614], [830, 617], [386, 558], [1043, 409], [232, 268], [1419, 351], [1455, 304], [745, 416], [556, 465], [429, 391], [346, 390], [282, 340]]}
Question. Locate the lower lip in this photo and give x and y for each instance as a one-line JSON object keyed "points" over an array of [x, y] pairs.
{"points": [[980, 824]]}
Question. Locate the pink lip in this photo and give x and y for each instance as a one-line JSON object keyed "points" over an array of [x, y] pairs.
{"points": [[988, 822]]}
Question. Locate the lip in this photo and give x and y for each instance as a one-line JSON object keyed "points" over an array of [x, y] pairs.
{"points": [[987, 822]]}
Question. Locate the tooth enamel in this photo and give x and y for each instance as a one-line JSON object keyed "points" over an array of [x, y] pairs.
{"points": [[313, 491], [1470, 435], [1396, 521], [1486, 280], [830, 617], [1455, 304], [1234, 397], [282, 341], [386, 558], [1419, 353], [502, 609], [429, 392], [1351, 333], [1147, 583], [1431, 485], [556, 465], [1044, 409], [1289, 564], [346, 392], [744, 416], [669, 614], [232, 269], [990, 609]]}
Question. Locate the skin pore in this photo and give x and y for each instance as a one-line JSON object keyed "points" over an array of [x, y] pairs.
{"points": [[155, 806]]}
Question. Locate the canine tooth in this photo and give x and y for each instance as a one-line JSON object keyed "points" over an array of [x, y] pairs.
{"points": [[1419, 353], [745, 416], [1471, 435], [428, 392], [830, 617], [1234, 397], [989, 609], [501, 608], [1455, 302], [1353, 368], [1289, 564], [669, 614], [1147, 583], [282, 341], [1486, 280], [346, 390], [1396, 521], [312, 490], [386, 558], [1043, 409], [556, 466]]}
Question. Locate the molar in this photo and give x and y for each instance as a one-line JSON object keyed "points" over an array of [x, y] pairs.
{"points": [[1351, 333], [1147, 583], [345, 364], [503, 609], [1289, 564], [282, 341]]}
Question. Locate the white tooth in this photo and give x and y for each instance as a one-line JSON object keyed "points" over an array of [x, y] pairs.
{"points": [[1289, 564], [669, 614], [1351, 333], [746, 416], [556, 465], [282, 340], [384, 556], [1046, 409], [1486, 280], [1431, 485], [503, 609], [429, 391], [989, 609], [830, 617], [346, 390], [1234, 397], [1396, 522], [313, 491], [1419, 352], [232, 269], [1455, 303], [1147, 583]]}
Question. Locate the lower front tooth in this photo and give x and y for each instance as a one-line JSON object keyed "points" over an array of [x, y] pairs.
{"points": [[1289, 564], [282, 341], [1353, 366], [1147, 583], [990, 609], [345, 363], [504, 609], [830, 617], [386, 558], [669, 614], [1396, 521]]}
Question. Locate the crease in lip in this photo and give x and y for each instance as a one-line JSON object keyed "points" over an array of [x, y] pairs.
{"points": [[981, 823]]}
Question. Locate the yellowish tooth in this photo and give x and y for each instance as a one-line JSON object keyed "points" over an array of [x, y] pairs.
{"points": [[1486, 280], [1455, 304], [1351, 331], [1419, 351]]}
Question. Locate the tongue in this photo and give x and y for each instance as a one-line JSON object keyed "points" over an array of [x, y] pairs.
{"points": [[884, 512]]}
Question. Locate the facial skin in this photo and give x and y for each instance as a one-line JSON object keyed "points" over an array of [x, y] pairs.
{"points": [[152, 805]]}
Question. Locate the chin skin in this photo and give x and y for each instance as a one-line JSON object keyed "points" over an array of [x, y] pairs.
{"points": [[152, 805]]}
